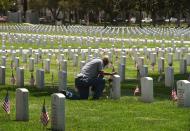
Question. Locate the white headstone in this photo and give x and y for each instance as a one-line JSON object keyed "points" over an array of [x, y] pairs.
{"points": [[147, 89], [183, 93], [123, 60], [22, 108], [121, 72], [183, 66], [188, 59], [169, 76], [162, 53], [83, 55], [20, 77], [31, 64], [47, 65], [75, 60], [2, 75], [177, 55], [61, 57], [62, 80], [36, 60], [153, 58], [58, 112], [3, 60], [116, 91], [16, 62], [161, 64], [140, 62], [24, 57], [40, 78], [144, 71], [64, 65]]}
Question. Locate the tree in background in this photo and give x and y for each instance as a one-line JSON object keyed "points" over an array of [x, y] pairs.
{"points": [[6, 5], [111, 11]]}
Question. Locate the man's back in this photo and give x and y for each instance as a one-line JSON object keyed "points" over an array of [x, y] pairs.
{"points": [[92, 68]]}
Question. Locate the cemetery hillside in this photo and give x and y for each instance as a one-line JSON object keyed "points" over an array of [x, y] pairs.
{"points": [[48, 49]]}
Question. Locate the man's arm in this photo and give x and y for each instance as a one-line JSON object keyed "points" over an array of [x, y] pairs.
{"points": [[102, 73]]}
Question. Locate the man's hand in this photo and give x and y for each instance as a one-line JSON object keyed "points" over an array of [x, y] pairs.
{"points": [[113, 73]]}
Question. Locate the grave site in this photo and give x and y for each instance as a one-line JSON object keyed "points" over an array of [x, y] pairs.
{"points": [[150, 91]]}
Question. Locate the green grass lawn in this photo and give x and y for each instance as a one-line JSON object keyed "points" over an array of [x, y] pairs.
{"points": [[127, 113]]}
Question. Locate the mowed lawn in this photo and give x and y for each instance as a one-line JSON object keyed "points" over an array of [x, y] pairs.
{"points": [[127, 113]]}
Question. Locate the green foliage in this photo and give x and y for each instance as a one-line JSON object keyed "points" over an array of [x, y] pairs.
{"points": [[6, 4]]}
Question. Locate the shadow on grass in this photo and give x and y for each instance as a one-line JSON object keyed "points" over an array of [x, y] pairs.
{"points": [[128, 86]]}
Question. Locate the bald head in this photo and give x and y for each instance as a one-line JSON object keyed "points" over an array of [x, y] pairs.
{"points": [[105, 60]]}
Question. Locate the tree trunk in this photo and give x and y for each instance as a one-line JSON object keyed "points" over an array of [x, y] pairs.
{"points": [[140, 11], [76, 16], [70, 17], [87, 18], [178, 20], [99, 16], [154, 18]]}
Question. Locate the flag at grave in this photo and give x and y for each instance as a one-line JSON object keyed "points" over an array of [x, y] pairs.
{"points": [[6, 104], [13, 78], [174, 95], [44, 115]]}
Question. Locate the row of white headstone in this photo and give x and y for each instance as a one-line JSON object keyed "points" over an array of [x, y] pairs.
{"points": [[57, 108], [44, 40], [183, 91], [40, 82], [98, 30]]}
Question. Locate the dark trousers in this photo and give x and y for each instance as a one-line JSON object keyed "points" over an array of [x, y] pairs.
{"points": [[83, 84]]}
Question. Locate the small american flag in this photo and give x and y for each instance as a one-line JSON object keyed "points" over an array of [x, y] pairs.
{"points": [[13, 79], [44, 115], [174, 95], [6, 104], [137, 90]]}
